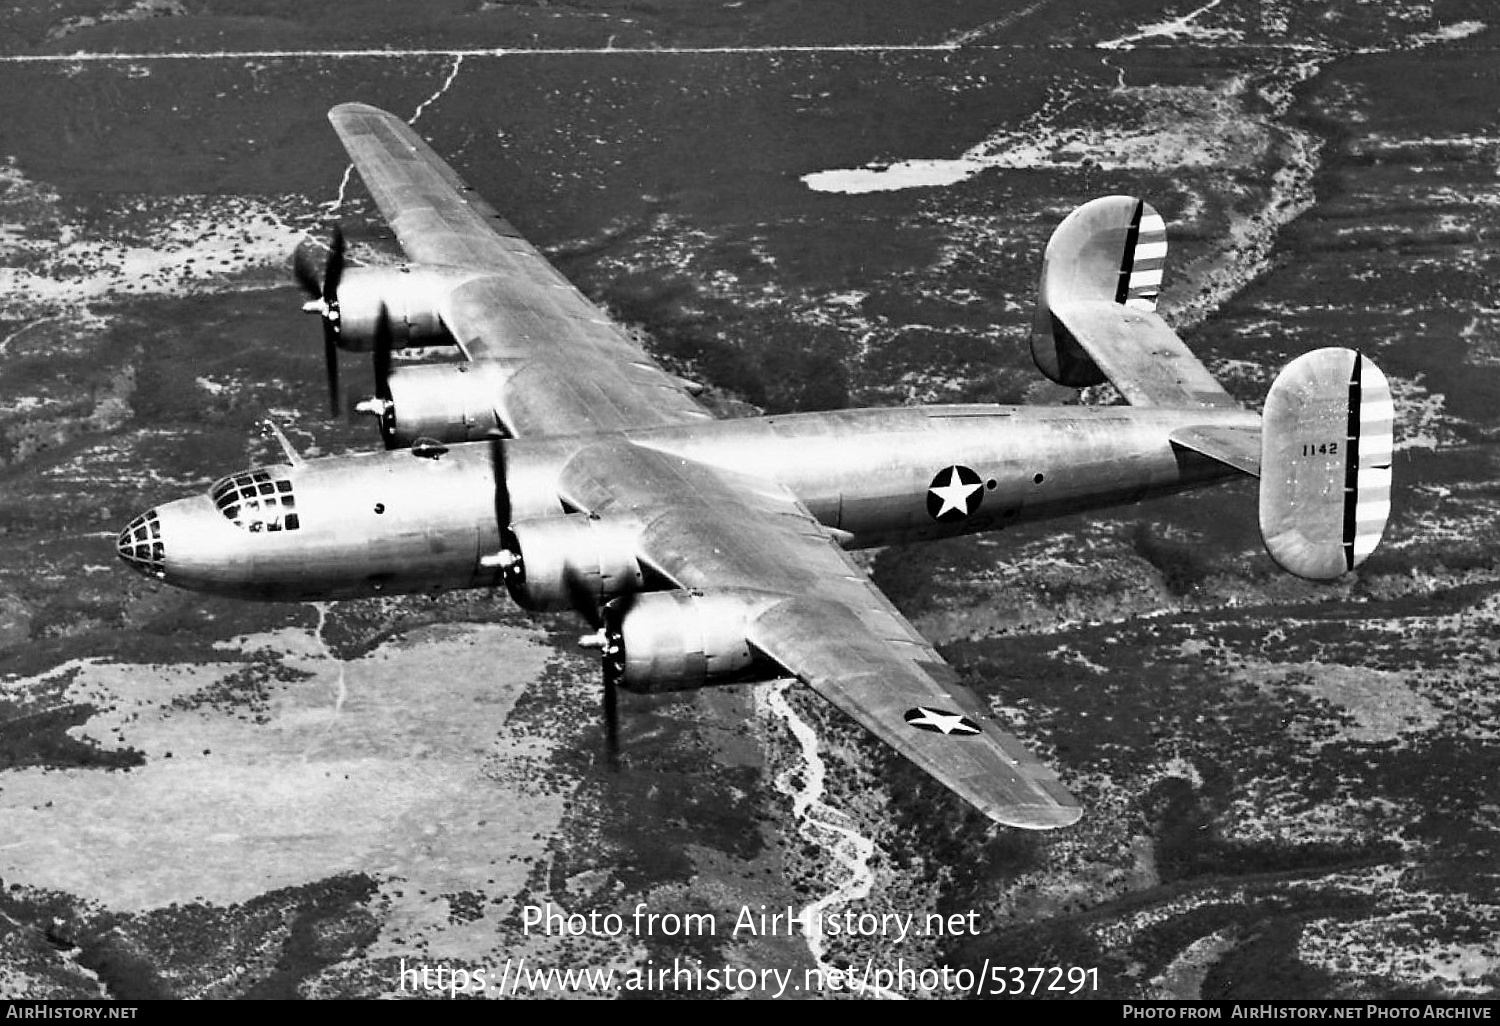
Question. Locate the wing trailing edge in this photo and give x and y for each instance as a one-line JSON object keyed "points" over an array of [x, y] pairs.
{"points": [[918, 708]]}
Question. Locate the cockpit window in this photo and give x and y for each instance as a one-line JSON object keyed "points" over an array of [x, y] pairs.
{"points": [[256, 502]]}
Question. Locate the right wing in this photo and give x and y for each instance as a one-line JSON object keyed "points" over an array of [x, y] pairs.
{"points": [[818, 616], [904, 693], [573, 369]]}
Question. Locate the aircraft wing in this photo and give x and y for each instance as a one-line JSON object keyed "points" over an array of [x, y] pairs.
{"points": [[822, 620], [573, 369]]}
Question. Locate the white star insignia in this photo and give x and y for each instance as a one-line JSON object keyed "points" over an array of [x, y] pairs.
{"points": [[943, 722], [955, 494]]}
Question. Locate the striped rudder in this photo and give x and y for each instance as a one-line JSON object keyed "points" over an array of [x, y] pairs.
{"points": [[1326, 445], [1144, 256], [1368, 483], [1096, 316], [1111, 250]]}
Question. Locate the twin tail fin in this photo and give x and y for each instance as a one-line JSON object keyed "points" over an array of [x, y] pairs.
{"points": [[1323, 447], [1327, 438], [1096, 316]]}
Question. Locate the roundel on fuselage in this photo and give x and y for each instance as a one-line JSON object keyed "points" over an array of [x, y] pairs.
{"points": [[955, 493]]}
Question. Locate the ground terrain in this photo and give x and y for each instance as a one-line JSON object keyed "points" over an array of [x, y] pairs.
{"points": [[1291, 789]]}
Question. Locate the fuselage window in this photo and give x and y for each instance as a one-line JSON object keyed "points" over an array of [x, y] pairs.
{"points": [[254, 502]]}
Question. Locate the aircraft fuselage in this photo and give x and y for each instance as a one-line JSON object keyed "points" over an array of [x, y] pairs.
{"points": [[400, 522]]}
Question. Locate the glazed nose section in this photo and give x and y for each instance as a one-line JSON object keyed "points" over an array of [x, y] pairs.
{"points": [[141, 547]]}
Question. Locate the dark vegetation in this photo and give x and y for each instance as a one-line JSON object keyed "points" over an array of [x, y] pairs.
{"points": [[727, 264]]}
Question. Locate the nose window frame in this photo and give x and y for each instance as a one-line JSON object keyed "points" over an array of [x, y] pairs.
{"points": [[140, 544], [254, 501]]}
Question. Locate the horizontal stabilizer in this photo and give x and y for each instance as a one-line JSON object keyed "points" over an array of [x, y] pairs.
{"points": [[1238, 447], [1096, 314], [1326, 444], [1141, 356]]}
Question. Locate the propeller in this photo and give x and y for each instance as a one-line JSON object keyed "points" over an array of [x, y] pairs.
{"points": [[381, 355], [380, 405], [611, 720], [610, 664], [502, 484], [613, 660], [584, 601], [323, 288]]}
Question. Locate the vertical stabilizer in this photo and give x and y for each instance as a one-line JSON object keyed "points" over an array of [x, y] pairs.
{"points": [[1326, 445], [1090, 258], [1096, 317]]}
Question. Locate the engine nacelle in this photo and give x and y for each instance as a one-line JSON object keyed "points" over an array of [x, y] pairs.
{"points": [[573, 561], [679, 640], [448, 402], [411, 298]]}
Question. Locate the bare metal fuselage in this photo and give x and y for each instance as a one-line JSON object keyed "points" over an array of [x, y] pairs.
{"points": [[393, 522]]}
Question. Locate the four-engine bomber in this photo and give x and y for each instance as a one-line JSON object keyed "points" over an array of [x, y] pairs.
{"points": [[555, 458]]}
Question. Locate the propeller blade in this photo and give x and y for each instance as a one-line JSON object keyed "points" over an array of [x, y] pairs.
{"points": [[305, 270], [325, 303], [611, 721], [333, 273], [613, 664], [331, 365], [384, 343], [502, 485]]}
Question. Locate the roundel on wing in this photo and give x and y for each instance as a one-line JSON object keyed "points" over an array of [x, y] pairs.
{"points": [[955, 493], [941, 721]]}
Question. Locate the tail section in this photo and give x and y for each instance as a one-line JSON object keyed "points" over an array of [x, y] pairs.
{"points": [[1326, 444], [1323, 447], [1096, 314]]}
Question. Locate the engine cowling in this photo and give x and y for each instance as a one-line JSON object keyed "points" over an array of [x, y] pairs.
{"points": [[573, 561], [447, 402], [410, 297], [680, 640]]}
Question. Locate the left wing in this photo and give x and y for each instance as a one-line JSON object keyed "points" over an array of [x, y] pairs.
{"points": [[572, 369], [826, 624]]}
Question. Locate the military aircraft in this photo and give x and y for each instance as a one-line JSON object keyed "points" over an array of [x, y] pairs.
{"points": [[558, 459]]}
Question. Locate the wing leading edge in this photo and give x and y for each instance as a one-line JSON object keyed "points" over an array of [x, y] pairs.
{"points": [[820, 618], [570, 369]]}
